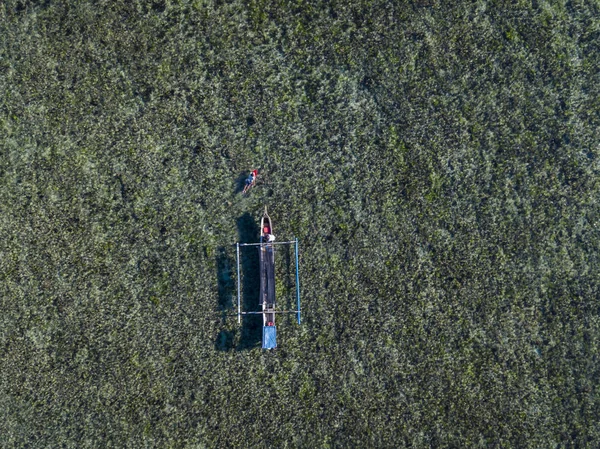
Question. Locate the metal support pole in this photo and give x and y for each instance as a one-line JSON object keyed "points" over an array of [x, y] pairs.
{"points": [[239, 314], [297, 282], [269, 243]]}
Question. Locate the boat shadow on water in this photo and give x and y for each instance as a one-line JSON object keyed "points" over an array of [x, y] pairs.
{"points": [[250, 333]]}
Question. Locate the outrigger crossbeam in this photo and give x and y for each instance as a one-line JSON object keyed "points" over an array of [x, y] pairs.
{"points": [[275, 311], [271, 243]]}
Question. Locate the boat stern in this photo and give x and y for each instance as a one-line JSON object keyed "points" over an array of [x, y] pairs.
{"points": [[269, 339]]}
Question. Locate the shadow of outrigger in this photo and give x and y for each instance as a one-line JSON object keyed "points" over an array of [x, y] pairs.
{"points": [[248, 263], [251, 330]]}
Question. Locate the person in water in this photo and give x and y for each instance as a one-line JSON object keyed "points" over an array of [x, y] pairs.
{"points": [[251, 180]]}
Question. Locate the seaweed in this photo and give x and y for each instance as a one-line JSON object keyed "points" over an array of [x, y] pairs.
{"points": [[437, 161]]}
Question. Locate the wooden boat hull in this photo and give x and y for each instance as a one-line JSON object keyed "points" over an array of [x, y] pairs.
{"points": [[267, 282]]}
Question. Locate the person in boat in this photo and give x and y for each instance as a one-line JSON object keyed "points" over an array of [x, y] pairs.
{"points": [[267, 236], [250, 180]]}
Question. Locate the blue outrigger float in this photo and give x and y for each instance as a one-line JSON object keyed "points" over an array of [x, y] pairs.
{"points": [[266, 248]]}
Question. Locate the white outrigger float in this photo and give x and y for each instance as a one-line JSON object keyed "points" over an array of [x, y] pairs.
{"points": [[266, 248]]}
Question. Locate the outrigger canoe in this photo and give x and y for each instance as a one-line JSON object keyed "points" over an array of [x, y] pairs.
{"points": [[266, 248]]}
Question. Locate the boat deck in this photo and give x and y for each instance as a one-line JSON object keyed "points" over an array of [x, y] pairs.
{"points": [[267, 277]]}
